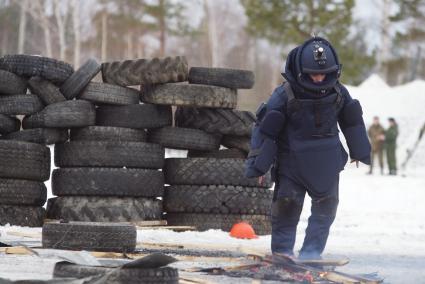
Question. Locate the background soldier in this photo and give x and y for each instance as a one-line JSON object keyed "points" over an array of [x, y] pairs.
{"points": [[377, 137], [391, 146]]}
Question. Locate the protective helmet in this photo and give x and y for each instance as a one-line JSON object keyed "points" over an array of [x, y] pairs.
{"points": [[317, 56]]}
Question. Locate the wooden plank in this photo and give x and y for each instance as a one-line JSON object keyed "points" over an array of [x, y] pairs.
{"points": [[323, 262], [203, 247], [31, 235], [151, 223], [17, 250], [173, 228], [193, 280]]}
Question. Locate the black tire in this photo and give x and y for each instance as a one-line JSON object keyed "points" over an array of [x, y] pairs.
{"points": [[24, 160], [113, 237], [223, 77], [25, 216], [217, 199], [31, 65], [68, 114], [219, 154], [9, 124], [22, 192], [11, 84], [203, 222], [190, 95], [79, 79], [209, 171], [109, 154], [47, 92], [45, 136], [107, 182], [238, 142], [224, 121], [106, 133], [184, 138], [104, 209], [101, 93], [145, 71], [134, 116], [160, 275], [20, 104]]}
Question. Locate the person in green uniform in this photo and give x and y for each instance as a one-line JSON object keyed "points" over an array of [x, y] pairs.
{"points": [[391, 145], [377, 137]]}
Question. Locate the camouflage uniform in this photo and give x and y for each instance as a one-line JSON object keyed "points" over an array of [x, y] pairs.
{"points": [[375, 132], [390, 146]]}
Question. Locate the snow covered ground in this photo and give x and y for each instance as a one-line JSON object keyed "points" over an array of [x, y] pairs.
{"points": [[380, 223]]}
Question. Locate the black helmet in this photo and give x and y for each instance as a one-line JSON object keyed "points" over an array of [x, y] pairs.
{"points": [[317, 56]]}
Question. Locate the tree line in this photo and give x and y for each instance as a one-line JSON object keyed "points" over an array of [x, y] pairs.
{"points": [[248, 34]]}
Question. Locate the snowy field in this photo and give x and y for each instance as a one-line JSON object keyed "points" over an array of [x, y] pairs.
{"points": [[380, 223]]}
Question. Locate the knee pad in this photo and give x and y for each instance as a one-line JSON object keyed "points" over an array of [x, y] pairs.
{"points": [[287, 208], [325, 207]]}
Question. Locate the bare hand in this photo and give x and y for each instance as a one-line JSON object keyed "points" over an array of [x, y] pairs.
{"points": [[261, 180]]}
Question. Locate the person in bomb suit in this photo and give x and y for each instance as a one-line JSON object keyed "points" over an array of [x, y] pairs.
{"points": [[296, 134]]}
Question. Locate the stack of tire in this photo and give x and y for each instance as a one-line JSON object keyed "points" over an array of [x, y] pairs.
{"points": [[109, 172], [24, 158], [208, 189]]}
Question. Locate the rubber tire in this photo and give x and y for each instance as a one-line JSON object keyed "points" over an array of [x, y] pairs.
{"points": [[24, 216], [107, 182], [109, 154], [145, 71], [219, 154], [68, 114], [203, 222], [184, 138], [47, 92], [106, 133], [223, 121], [22, 192], [109, 237], [101, 93], [190, 95], [11, 84], [44, 136], [239, 142], [24, 160], [20, 104], [30, 65], [217, 199], [73, 86], [9, 124], [160, 275], [134, 116], [209, 171], [104, 209], [223, 77]]}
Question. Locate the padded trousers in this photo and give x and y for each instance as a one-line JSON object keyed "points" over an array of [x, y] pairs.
{"points": [[287, 205]]}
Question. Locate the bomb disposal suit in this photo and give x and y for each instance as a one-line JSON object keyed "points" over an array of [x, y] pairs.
{"points": [[296, 134]]}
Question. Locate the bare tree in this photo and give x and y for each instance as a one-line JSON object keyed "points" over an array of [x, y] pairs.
{"points": [[104, 32], [22, 26], [61, 20], [77, 33], [37, 10]]}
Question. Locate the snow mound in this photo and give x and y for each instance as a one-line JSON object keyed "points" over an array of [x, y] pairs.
{"points": [[375, 82]]}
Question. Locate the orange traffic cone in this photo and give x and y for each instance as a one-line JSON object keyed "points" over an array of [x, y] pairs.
{"points": [[243, 230]]}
